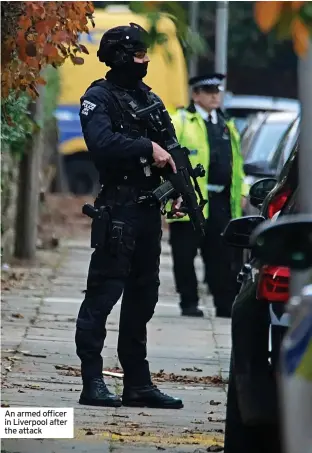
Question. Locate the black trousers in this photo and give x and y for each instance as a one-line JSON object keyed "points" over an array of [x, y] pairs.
{"points": [[222, 263], [184, 247], [133, 271]]}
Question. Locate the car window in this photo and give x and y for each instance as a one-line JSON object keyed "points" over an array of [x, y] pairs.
{"points": [[253, 125], [290, 169], [266, 141], [289, 146], [240, 124], [285, 146]]}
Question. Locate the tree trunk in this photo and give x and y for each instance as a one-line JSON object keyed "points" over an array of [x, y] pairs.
{"points": [[28, 192]]}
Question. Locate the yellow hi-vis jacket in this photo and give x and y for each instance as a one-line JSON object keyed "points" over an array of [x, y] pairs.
{"points": [[191, 133]]}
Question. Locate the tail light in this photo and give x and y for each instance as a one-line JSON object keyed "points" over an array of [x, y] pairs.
{"points": [[277, 203], [273, 284]]}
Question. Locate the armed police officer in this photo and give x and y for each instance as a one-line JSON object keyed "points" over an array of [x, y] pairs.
{"points": [[214, 142], [126, 229]]}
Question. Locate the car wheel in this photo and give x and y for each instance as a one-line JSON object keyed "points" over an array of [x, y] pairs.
{"points": [[235, 432], [82, 177], [240, 438]]}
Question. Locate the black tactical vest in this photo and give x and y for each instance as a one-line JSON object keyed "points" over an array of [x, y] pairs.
{"points": [[123, 121], [220, 165]]}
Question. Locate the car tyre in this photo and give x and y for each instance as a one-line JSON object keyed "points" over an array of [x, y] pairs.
{"points": [[240, 438]]}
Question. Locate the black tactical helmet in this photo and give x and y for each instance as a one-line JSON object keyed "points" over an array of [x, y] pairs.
{"points": [[119, 43]]}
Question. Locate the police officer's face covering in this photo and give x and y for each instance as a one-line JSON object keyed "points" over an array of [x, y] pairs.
{"points": [[136, 70]]}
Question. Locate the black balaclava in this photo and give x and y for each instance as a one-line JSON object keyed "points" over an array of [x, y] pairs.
{"points": [[117, 49], [129, 75], [136, 70]]}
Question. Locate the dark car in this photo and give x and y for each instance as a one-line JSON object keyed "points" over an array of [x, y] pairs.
{"points": [[273, 160], [260, 151], [258, 325], [270, 148]]}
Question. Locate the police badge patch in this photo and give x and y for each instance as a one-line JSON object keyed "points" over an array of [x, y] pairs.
{"points": [[87, 106]]}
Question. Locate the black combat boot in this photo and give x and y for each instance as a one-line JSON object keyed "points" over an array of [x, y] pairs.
{"points": [[192, 311], [149, 396], [95, 393]]}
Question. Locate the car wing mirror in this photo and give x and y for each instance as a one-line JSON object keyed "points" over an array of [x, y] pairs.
{"points": [[286, 242], [237, 232], [259, 191]]}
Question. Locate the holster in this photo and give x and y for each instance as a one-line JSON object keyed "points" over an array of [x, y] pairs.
{"points": [[101, 224]]}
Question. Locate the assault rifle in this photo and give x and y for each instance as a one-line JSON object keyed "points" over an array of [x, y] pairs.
{"points": [[183, 183]]}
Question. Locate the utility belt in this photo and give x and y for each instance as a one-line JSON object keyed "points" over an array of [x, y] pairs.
{"points": [[125, 195], [104, 229]]}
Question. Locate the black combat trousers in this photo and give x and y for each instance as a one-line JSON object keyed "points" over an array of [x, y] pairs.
{"points": [[134, 271], [222, 263], [184, 247]]}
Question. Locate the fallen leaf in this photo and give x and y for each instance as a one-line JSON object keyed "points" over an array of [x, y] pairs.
{"points": [[144, 414], [33, 387], [13, 359], [67, 370], [215, 448], [214, 403], [17, 315], [186, 379], [194, 368], [133, 425]]}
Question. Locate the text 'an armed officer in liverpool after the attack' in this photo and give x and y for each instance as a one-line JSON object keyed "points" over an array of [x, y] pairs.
{"points": [[126, 258], [214, 142]]}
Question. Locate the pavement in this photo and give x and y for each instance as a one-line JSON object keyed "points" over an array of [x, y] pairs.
{"points": [[189, 358]]}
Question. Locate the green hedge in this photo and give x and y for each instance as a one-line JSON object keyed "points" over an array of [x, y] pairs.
{"points": [[15, 122]]}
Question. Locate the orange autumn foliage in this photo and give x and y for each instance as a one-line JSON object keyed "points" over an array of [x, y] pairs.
{"points": [[268, 15], [36, 34], [300, 35]]}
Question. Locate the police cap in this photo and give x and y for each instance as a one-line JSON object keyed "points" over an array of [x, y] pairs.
{"points": [[208, 81], [118, 43]]}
